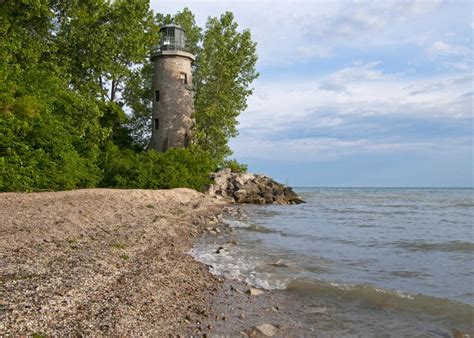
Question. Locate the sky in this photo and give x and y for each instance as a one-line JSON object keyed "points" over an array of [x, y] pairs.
{"points": [[356, 93]]}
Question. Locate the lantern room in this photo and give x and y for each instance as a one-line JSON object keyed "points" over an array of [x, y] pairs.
{"points": [[173, 37]]}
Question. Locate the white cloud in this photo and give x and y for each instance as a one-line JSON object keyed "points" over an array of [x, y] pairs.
{"points": [[363, 90], [289, 32], [327, 149], [288, 118], [444, 49]]}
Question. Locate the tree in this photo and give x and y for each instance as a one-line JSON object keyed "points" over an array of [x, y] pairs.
{"points": [[49, 134], [224, 73], [102, 43]]}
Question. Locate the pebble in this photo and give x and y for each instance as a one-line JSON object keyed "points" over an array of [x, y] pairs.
{"points": [[254, 291], [266, 330]]}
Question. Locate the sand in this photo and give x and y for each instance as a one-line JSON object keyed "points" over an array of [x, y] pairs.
{"points": [[102, 261]]}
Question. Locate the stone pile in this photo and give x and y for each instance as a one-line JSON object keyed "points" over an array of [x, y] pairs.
{"points": [[250, 188]]}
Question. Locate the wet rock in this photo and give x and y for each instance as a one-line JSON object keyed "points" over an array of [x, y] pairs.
{"points": [[263, 330], [280, 263], [253, 292]]}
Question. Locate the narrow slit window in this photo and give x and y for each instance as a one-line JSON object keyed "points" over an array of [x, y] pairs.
{"points": [[184, 78], [157, 124], [157, 95]]}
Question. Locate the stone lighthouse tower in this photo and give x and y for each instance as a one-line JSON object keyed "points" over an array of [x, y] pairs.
{"points": [[173, 97]]}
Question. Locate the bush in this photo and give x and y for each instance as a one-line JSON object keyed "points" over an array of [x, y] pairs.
{"points": [[37, 153], [177, 168], [235, 166]]}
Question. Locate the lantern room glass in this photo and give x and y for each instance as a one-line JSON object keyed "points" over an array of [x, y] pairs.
{"points": [[173, 37]]}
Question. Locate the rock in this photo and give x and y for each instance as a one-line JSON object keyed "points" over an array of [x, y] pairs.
{"points": [[240, 195], [265, 330], [219, 250], [259, 200], [250, 188], [280, 263], [253, 291], [274, 308]]}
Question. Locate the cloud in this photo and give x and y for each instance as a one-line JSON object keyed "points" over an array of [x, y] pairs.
{"points": [[303, 150], [295, 32], [440, 48], [356, 109]]}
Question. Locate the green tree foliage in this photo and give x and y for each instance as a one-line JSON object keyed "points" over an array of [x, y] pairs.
{"points": [[49, 134], [222, 82], [75, 95]]}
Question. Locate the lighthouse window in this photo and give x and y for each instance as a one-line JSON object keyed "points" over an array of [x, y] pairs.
{"points": [[157, 95], [184, 78], [157, 124]]}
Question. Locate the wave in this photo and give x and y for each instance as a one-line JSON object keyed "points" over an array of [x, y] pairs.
{"points": [[374, 297], [464, 205], [247, 226], [429, 246], [234, 264]]}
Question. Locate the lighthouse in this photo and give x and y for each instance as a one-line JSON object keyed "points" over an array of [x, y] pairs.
{"points": [[172, 91]]}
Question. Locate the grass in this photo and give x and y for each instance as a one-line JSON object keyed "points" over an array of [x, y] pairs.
{"points": [[119, 245], [179, 212], [124, 257], [37, 335]]}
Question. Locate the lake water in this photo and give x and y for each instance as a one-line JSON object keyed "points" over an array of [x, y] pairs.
{"points": [[384, 259]]}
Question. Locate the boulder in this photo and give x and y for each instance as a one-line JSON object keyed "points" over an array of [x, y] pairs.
{"points": [[250, 188], [253, 292], [263, 330]]}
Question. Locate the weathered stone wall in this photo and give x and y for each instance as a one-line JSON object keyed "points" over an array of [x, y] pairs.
{"points": [[175, 105]]}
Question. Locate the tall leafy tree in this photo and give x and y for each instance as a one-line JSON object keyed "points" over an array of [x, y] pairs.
{"points": [[49, 133], [222, 83], [101, 43]]}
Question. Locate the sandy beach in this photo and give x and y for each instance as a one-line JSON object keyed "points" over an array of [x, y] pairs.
{"points": [[103, 262]]}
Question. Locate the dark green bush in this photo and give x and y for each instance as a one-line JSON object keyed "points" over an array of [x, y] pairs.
{"points": [[235, 166], [123, 168]]}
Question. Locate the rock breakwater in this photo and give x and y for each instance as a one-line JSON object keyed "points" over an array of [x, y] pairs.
{"points": [[250, 188]]}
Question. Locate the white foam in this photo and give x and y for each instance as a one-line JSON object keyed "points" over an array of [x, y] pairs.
{"points": [[236, 224], [236, 265]]}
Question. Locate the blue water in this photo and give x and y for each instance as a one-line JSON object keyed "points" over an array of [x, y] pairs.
{"points": [[407, 249]]}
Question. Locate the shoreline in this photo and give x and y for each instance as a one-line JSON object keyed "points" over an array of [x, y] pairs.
{"points": [[118, 262], [104, 261]]}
